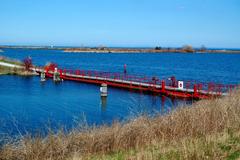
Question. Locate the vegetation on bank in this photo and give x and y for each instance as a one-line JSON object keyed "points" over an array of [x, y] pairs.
{"points": [[157, 49], [9, 70], [209, 129], [15, 67], [104, 49], [224, 145], [10, 61]]}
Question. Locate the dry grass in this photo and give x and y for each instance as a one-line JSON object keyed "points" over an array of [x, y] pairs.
{"points": [[15, 71], [224, 145], [184, 134], [10, 70], [5, 70], [10, 61]]}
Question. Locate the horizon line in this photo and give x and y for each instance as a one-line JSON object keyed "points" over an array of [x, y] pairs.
{"points": [[111, 46]]}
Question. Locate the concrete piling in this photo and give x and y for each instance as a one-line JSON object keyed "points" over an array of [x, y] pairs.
{"points": [[43, 76], [103, 90], [56, 75]]}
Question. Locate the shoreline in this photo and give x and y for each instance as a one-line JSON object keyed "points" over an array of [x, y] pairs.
{"points": [[148, 51], [187, 49], [11, 67]]}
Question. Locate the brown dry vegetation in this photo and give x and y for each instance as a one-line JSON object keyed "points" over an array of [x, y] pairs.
{"points": [[210, 129], [5, 70], [9, 70], [15, 71]]}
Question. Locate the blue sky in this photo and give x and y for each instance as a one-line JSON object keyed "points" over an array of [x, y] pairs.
{"points": [[130, 23]]}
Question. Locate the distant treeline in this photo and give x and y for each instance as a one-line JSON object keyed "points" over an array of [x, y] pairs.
{"points": [[157, 49], [104, 49]]}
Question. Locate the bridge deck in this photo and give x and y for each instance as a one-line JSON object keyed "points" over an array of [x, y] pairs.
{"points": [[154, 85], [189, 89]]}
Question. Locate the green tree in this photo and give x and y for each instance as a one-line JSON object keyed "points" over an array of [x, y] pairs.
{"points": [[158, 48]]}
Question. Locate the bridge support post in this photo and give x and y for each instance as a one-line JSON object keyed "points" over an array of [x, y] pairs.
{"points": [[103, 90], [56, 75], [103, 103], [43, 76]]}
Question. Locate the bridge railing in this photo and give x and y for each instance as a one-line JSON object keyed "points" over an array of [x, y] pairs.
{"points": [[171, 82], [110, 75], [208, 88]]}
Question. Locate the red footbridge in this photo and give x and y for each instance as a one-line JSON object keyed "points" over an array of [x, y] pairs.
{"points": [[168, 86]]}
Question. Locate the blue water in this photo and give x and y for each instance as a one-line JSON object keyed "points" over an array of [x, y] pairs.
{"points": [[26, 105]]}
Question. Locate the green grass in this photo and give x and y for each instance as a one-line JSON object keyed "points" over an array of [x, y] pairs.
{"points": [[217, 146]]}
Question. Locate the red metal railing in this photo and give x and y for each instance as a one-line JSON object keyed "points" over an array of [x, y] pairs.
{"points": [[155, 84]]}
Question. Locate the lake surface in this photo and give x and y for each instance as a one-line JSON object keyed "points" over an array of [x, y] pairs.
{"points": [[26, 105]]}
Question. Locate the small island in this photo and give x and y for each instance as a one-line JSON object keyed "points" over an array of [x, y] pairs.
{"points": [[157, 49], [103, 49]]}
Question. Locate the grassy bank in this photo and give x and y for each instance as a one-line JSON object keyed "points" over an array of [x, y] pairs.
{"points": [[224, 145], [10, 61], [210, 129], [9, 69], [15, 71]]}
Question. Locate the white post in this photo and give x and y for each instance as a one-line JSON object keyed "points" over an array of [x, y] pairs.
{"points": [[56, 75], [103, 90], [43, 77]]}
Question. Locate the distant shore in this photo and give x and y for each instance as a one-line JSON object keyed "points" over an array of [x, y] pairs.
{"points": [[136, 50], [184, 49]]}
